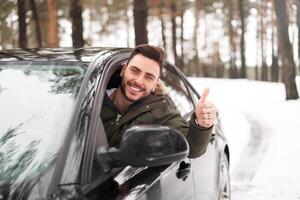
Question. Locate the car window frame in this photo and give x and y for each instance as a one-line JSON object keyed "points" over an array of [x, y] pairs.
{"points": [[191, 91], [96, 136], [187, 83]]}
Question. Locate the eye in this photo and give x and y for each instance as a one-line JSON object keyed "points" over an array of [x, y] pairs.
{"points": [[134, 71], [149, 78]]}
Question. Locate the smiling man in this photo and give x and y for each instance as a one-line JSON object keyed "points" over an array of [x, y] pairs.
{"points": [[139, 100]]}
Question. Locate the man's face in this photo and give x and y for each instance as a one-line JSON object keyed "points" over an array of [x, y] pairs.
{"points": [[140, 77]]}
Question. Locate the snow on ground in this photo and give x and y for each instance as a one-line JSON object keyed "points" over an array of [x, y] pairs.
{"points": [[232, 98], [272, 172]]}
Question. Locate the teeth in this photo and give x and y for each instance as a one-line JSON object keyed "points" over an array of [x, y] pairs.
{"points": [[135, 89]]}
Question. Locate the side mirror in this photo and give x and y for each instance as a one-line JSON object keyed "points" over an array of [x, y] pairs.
{"points": [[147, 145]]}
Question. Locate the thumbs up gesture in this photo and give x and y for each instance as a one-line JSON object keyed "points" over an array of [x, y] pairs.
{"points": [[206, 111]]}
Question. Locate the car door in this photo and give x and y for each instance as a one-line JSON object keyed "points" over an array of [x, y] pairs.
{"points": [[154, 183], [205, 169]]}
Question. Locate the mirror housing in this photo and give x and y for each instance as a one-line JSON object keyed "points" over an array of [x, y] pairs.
{"points": [[146, 145]]}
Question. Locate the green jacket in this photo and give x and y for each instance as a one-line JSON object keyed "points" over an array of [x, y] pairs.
{"points": [[154, 109]]}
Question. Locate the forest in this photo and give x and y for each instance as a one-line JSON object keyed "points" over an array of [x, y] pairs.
{"points": [[236, 39]]}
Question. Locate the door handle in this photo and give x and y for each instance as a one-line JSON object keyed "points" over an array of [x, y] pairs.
{"points": [[183, 170]]}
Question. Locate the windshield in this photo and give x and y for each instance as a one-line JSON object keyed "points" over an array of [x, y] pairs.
{"points": [[36, 106]]}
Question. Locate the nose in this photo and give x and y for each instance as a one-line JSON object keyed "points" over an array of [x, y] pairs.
{"points": [[139, 79]]}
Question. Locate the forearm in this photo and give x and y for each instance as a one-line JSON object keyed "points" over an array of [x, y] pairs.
{"points": [[198, 138]]}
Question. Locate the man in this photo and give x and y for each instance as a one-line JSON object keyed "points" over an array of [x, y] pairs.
{"points": [[136, 101]]}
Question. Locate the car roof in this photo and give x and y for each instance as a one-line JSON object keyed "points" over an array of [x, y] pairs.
{"points": [[54, 54]]}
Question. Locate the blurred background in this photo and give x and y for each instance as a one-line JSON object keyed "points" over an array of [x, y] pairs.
{"points": [[252, 39]]}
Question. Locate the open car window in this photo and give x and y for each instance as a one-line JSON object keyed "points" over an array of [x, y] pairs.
{"points": [[177, 91]]}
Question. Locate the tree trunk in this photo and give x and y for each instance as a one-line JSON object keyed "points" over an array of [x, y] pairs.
{"points": [[52, 36], [42, 9], [37, 22], [174, 35], [77, 26], [127, 20], [22, 24], [140, 14], [257, 43], [162, 24], [243, 73], [275, 65], [163, 28], [89, 29], [233, 68], [205, 60], [286, 51], [264, 67], [274, 69]]}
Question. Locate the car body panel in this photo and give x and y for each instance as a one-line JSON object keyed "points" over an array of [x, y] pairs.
{"points": [[160, 183]]}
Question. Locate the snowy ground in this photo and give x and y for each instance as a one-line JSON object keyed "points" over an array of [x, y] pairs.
{"points": [[263, 135]]}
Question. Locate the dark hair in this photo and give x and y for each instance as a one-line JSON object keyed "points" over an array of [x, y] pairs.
{"points": [[154, 53]]}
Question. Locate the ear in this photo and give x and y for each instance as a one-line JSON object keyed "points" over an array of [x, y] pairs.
{"points": [[123, 70]]}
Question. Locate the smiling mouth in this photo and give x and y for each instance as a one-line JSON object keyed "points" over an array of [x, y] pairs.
{"points": [[136, 88]]}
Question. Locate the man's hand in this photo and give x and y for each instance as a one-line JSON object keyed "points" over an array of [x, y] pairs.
{"points": [[206, 111]]}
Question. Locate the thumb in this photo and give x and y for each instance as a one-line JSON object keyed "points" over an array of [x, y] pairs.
{"points": [[204, 96]]}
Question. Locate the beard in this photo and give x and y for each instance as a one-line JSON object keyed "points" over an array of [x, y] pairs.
{"points": [[122, 87]]}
